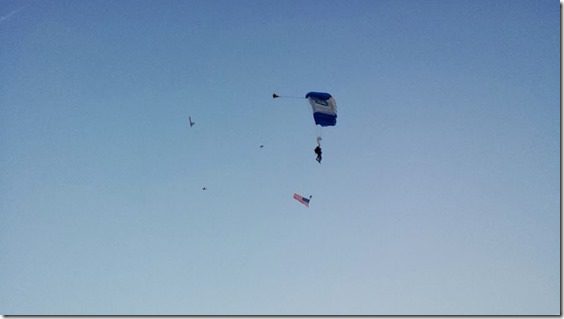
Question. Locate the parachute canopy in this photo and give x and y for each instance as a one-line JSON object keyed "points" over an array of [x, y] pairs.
{"points": [[324, 108]]}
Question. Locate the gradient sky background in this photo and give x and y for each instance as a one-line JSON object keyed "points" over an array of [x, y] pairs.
{"points": [[438, 192]]}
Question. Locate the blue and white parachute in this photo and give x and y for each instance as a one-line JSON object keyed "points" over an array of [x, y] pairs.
{"points": [[324, 108], [323, 105]]}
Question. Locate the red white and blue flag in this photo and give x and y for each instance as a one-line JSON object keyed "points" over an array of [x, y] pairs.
{"points": [[302, 199]]}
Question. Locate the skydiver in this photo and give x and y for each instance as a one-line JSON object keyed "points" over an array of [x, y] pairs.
{"points": [[317, 151]]}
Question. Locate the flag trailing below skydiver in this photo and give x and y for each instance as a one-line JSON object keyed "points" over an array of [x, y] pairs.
{"points": [[302, 199]]}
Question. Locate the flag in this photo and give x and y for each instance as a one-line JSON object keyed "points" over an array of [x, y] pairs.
{"points": [[302, 199]]}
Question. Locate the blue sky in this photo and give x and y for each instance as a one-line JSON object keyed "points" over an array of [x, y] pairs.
{"points": [[439, 190]]}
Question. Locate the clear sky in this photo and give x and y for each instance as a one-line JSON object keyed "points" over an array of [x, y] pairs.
{"points": [[439, 190]]}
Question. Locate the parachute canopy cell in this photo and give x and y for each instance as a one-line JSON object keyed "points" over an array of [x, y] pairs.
{"points": [[324, 108]]}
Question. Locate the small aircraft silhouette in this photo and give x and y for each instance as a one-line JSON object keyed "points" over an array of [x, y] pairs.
{"points": [[261, 146], [190, 121]]}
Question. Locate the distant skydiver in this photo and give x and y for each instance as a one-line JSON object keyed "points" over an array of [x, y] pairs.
{"points": [[317, 150], [324, 109]]}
